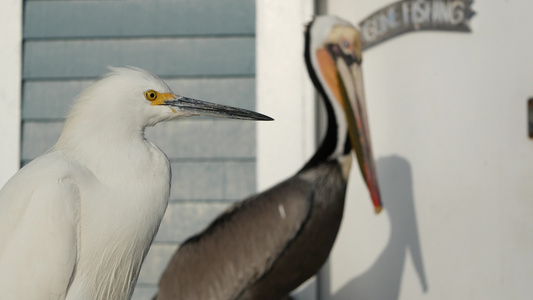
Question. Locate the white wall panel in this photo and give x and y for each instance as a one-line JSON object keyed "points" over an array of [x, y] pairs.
{"points": [[10, 73], [448, 121]]}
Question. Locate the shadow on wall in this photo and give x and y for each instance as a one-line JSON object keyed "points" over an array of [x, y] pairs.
{"points": [[382, 281]]}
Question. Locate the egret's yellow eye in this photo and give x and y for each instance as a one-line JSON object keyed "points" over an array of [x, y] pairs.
{"points": [[150, 95]]}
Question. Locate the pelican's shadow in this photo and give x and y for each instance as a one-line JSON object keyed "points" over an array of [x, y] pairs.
{"points": [[383, 279]]}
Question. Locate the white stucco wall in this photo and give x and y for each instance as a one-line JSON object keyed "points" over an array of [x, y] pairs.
{"points": [[448, 117], [10, 87]]}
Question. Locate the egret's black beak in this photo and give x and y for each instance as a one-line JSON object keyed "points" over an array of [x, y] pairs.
{"points": [[203, 108]]}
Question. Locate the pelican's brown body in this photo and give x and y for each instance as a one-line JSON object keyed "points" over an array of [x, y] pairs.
{"points": [[266, 245]]}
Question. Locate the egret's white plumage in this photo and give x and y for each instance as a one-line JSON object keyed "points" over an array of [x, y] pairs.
{"points": [[77, 222]]}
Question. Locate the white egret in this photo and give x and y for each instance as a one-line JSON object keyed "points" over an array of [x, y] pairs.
{"points": [[76, 223]]}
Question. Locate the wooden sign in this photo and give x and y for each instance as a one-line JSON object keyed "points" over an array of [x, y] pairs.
{"points": [[414, 15]]}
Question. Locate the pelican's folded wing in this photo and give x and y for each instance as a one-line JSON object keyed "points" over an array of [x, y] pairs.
{"points": [[239, 246]]}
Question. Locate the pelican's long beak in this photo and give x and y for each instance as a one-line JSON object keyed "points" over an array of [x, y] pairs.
{"points": [[353, 97], [343, 75], [195, 107]]}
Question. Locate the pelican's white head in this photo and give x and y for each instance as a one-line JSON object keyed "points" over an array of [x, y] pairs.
{"points": [[333, 58]]}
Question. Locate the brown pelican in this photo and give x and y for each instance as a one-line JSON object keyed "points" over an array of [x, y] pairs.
{"points": [[268, 244]]}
